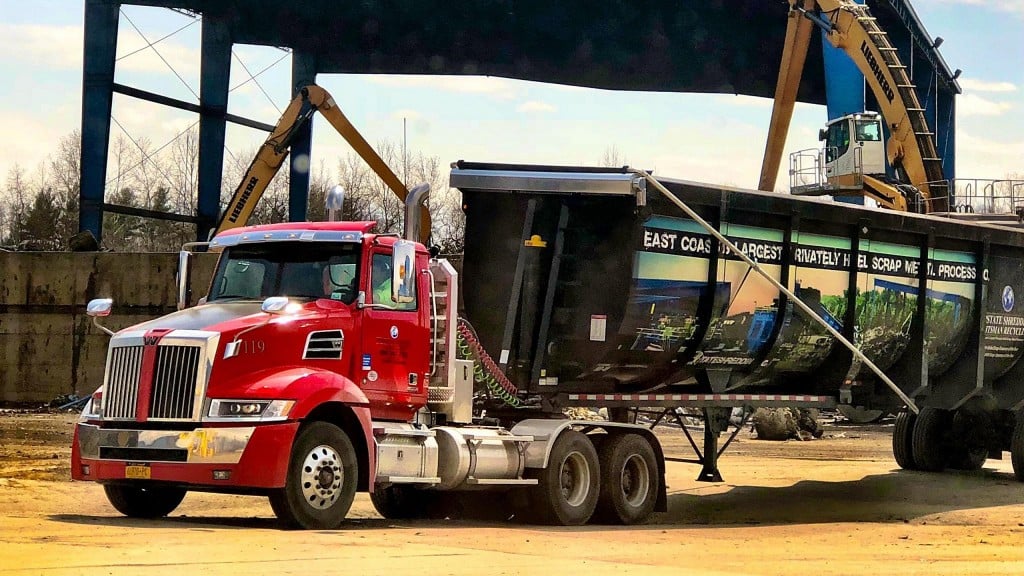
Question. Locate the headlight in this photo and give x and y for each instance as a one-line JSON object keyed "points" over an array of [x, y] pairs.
{"points": [[94, 407], [249, 410]]}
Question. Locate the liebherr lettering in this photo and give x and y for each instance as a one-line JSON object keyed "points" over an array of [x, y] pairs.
{"points": [[877, 70], [237, 210]]}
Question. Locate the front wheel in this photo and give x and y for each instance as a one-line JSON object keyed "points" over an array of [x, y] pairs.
{"points": [[144, 501], [629, 479], [568, 488], [321, 481]]}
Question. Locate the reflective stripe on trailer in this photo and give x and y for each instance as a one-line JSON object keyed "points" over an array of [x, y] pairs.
{"points": [[739, 398]]}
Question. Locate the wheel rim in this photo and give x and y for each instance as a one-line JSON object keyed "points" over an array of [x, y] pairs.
{"points": [[574, 479], [635, 481], [322, 477]]}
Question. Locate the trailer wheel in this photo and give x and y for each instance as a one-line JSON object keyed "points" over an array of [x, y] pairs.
{"points": [[969, 449], [1017, 447], [629, 479], [144, 501], [321, 481], [861, 414], [903, 440], [568, 488], [930, 439]]}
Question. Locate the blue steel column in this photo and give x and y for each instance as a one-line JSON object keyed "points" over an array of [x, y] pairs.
{"points": [[100, 51], [300, 161], [215, 73]]}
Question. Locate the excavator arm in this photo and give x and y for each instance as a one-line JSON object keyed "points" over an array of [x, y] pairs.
{"points": [[850, 27], [309, 100]]}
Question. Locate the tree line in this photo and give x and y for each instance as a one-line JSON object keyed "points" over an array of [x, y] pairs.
{"points": [[39, 209]]}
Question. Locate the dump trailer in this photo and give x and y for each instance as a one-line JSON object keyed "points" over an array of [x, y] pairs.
{"points": [[328, 359]]}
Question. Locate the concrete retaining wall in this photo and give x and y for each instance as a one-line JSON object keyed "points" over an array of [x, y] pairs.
{"points": [[48, 346]]}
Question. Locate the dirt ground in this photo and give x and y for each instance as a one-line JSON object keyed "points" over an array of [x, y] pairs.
{"points": [[837, 506]]}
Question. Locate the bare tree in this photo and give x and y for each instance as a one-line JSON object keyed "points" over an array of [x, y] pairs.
{"points": [[612, 158]]}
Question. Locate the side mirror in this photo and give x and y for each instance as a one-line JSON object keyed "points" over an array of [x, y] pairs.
{"points": [[822, 134], [99, 308], [277, 305], [184, 277], [403, 272]]}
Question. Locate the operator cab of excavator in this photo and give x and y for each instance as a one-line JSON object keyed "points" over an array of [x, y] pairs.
{"points": [[853, 147]]}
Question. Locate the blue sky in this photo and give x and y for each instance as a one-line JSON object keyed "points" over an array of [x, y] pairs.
{"points": [[712, 138]]}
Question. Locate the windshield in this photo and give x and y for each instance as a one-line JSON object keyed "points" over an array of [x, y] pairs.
{"points": [[294, 269], [869, 131]]}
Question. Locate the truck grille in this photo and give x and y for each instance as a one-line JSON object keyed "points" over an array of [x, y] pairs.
{"points": [[122, 391], [175, 380]]}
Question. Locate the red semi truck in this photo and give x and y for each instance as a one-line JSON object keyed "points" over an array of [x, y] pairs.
{"points": [[321, 363]]}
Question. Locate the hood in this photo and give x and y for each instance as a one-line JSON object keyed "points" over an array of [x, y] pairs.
{"points": [[204, 317]]}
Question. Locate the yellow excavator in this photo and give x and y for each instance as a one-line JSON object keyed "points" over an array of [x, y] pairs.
{"points": [[920, 185], [271, 155]]}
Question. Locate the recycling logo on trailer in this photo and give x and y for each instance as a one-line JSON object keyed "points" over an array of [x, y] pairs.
{"points": [[1007, 299]]}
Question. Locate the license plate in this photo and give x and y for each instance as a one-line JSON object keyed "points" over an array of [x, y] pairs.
{"points": [[137, 471]]}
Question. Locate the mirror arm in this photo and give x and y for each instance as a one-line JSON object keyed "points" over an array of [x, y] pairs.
{"points": [[96, 321]]}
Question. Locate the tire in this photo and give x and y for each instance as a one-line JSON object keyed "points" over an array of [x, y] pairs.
{"points": [[902, 440], [568, 488], [629, 480], [321, 481], [399, 502], [930, 439], [1017, 447], [144, 501], [969, 448]]}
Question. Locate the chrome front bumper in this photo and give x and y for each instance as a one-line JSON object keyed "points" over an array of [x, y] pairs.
{"points": [[199, 446]]}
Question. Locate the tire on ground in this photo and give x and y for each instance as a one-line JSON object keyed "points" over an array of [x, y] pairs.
{"points": [[568, 489], [1017, 447], [902, 440], [968, 445], [321, 480], [930, 439], [629, 479], [144, 501]]}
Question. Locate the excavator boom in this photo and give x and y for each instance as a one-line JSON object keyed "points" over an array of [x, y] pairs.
{"points": [[850, 27], [309, 100]]}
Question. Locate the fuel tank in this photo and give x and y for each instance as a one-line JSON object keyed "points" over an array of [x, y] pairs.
{"points": [[585, 280]]}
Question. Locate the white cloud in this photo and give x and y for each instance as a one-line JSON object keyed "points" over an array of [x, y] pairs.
{"points": [[53, 47], [498, 88], [972, 85], [535, 106], [743, 100], [1011, 6], [971, 105], [979, 157]]}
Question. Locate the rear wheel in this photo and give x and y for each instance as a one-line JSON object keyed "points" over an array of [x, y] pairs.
{"points": [[568, 488], [1017, 447], [321, 481], [902, 440], [969, 445], [629, 479], [930, 439], [144, 501]]}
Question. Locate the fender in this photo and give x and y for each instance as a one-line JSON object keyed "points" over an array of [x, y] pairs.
{"points": [[310, 388]]}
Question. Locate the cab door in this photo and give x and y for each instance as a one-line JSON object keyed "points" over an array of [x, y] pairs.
{"points": [[394, 361]]}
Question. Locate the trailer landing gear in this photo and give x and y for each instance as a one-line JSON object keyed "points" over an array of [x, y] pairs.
{"points": [[716, 421]]}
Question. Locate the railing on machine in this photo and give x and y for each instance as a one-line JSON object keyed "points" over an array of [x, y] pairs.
{"points": [[808, 175], [986, 196]]}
